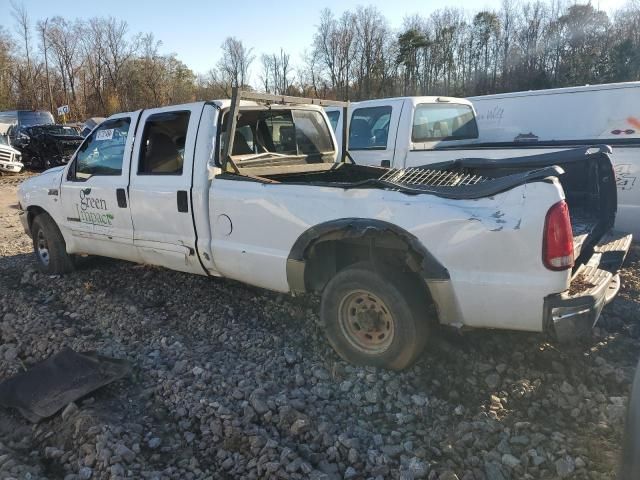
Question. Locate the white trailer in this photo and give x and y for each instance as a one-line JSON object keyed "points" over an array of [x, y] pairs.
{"points": [[560, 117], [412, 131], [587, 114]]}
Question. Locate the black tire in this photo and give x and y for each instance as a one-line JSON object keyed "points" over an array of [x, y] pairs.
{"points": [[375, 315], [49, 246]]}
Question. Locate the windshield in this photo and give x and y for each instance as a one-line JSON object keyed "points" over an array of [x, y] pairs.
{"points": [[4, 140], [59, 130], [35, 118]]}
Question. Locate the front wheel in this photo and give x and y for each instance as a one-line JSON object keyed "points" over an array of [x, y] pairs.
{"points": [[49, 246], [376, 316]]}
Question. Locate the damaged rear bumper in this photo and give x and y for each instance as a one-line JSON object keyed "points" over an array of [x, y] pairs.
{"points": [[573, 313]]}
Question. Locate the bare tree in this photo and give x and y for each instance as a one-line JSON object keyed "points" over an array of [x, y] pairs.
{"points": [[23, 29], [235, 62]]}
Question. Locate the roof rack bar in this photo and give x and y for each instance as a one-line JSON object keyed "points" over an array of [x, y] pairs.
{"points": [[237, 95], [267, 97]]}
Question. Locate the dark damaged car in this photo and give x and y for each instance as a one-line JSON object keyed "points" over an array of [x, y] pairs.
{"points": [[46, 146]]}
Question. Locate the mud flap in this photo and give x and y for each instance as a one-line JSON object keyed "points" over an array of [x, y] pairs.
{"points": [[49, 386]]}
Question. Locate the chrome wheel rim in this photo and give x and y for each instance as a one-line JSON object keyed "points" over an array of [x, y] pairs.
{"points": [[366, 322], [42, 248]]}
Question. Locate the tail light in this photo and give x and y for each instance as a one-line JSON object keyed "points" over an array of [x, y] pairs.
{"points": [[557, 247]]}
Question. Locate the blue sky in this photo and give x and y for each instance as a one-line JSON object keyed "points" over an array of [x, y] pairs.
{"points": [[194, 29]]}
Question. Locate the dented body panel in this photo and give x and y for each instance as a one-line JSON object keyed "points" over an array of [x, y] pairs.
{"points": [[503, 287]]}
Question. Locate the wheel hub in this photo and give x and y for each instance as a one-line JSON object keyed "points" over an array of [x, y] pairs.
{"points": [[42, 248], [366, 322]]}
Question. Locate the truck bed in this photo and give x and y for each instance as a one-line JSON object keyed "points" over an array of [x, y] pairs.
{"points": [[585, 174]]}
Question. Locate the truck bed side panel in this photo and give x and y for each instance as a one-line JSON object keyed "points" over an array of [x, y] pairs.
{"points": [[486, 244]]}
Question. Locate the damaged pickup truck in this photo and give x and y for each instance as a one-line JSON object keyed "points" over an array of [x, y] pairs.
{"points": [[257, 192], [46, 146]]}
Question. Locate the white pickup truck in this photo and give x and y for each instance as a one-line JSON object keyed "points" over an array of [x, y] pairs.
{"points": [[412, 131], [10, 158], [258, 193]]}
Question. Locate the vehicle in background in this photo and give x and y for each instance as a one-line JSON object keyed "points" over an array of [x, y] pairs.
{"points": [[412, 131], [255, 193], [90, 124], [12, 120], [46, 146], [10, 158]]}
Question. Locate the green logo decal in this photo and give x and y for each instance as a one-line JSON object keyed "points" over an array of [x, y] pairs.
{"points": [[93, 211]]}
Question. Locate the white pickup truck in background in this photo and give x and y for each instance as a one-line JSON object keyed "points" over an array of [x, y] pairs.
{"points": [[412, 131], [10, 158], [255, 193]]}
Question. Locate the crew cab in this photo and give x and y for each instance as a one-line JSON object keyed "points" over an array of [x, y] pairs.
{"points": [[412, 131], [257, 191]]}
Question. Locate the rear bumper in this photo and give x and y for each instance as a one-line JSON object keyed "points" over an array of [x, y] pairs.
{"points": [[573, 313]]}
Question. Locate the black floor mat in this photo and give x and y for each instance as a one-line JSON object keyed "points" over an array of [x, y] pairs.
{"points": [[65, 377]]}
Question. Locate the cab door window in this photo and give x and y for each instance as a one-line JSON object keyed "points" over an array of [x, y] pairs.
{"points": [[102, 152], [369, 128]]}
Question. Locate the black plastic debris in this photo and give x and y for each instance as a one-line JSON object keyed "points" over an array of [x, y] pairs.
{"points": [[63, 378]]}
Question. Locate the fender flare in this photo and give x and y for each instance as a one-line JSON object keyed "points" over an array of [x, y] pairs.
{"points": [[344, 228], [33, 211]]}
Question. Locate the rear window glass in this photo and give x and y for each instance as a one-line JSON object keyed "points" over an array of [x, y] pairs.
{"points": [[433, 121], [287, 132], [312, 133], [369, 128]]}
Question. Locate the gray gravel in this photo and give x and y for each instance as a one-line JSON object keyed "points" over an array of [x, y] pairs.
{"points": [[235, 382]]}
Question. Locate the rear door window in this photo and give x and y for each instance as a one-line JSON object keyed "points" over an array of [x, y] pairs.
{"points": [[163, 142], [369, 128], [433, 121]]}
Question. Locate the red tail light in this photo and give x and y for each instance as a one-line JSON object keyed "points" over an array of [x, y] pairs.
{"points": [[557, 247]]}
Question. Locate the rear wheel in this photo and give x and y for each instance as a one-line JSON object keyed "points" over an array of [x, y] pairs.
{"points": [[49, 246], [375, 316]]}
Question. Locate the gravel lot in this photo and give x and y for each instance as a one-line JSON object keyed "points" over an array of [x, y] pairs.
{"points": [[235, 382]]}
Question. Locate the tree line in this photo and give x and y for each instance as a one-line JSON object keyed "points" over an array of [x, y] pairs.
{"points": [[98, 67]]}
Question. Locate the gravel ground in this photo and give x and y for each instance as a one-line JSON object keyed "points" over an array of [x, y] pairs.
{"points": [[235, 382]]}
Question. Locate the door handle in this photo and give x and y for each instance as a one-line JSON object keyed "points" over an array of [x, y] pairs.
{"points": [[183, 201], [121, 197]]}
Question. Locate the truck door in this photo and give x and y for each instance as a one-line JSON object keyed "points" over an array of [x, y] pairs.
{"points": [[372, 132], [93, 192], [160, 188]]}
